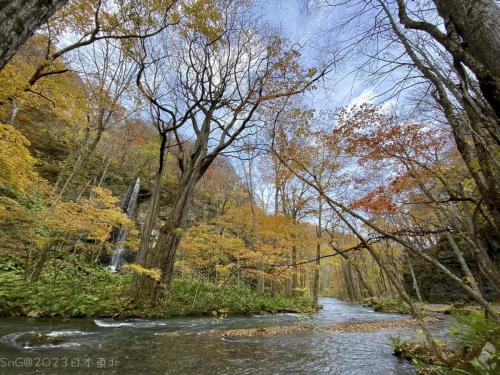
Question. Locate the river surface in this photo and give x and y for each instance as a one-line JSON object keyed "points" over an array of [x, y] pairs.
{"points": [[189, 345]]}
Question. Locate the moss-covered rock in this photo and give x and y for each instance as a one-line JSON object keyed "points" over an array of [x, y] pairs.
{"points": [[387, 305], [38, 339]]}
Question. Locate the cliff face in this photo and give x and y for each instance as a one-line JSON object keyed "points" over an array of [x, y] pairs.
{"points": [[436, 287]]}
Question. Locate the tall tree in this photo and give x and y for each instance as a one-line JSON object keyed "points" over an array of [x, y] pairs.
{"points": [[84, 22], [220, 82], [473, 38]]}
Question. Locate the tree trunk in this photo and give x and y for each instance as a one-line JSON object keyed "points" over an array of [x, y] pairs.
{"points": [[150, 220], [463, 263], [477, 23], [163, 254], [316, 275], [477, 296], [37, 270], [261, 286], [14, 109], [19, 19], [294, 267], [276, 200], [318, 255], [352, 281], [348, 280], [84, 156], [416, 313], [413, 278], [303, 278], [361, 279], [480, 249], [463, 130]]}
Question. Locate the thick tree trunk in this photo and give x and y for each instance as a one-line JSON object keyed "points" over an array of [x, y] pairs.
{"points": [[484, 175], [478, 24], [149, 223], [19, 19], [163, 254]]}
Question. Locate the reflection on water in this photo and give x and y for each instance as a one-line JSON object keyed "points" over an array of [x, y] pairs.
{"points": [[187, 345]]}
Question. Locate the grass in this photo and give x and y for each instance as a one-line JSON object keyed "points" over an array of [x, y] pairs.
{"points": [[84, 291]]}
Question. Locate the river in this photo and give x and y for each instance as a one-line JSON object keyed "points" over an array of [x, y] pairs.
{"points": [[189, 345]]}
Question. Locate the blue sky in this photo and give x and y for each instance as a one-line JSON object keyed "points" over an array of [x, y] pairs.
{"points": [[311, 27], [307, 27]]}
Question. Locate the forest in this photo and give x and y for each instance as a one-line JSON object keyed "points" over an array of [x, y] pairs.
{"points": [[245, 161]]}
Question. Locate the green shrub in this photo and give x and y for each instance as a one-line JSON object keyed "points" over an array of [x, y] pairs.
{"points": [[475, 353], [75, 289]]}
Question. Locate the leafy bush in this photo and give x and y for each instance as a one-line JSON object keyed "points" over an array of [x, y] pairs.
{"points": [[473, 330], [80, 290], [475, 353], [70, 292], [202, 298], [478, 340]]}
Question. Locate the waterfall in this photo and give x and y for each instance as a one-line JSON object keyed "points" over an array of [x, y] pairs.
{"points": [[118, 256]]}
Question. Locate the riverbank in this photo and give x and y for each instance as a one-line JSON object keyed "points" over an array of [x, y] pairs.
{"points": [[389, 305], [86, 292]]}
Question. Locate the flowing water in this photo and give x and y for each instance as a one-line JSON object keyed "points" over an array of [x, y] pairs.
{"points": [[189, 345], [117, 259]]}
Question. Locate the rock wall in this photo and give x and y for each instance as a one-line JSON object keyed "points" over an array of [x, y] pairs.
{"points": [[436, 287]]}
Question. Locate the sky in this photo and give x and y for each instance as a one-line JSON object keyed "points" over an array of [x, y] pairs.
{"points": [[311, 28], [307, 27]]}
